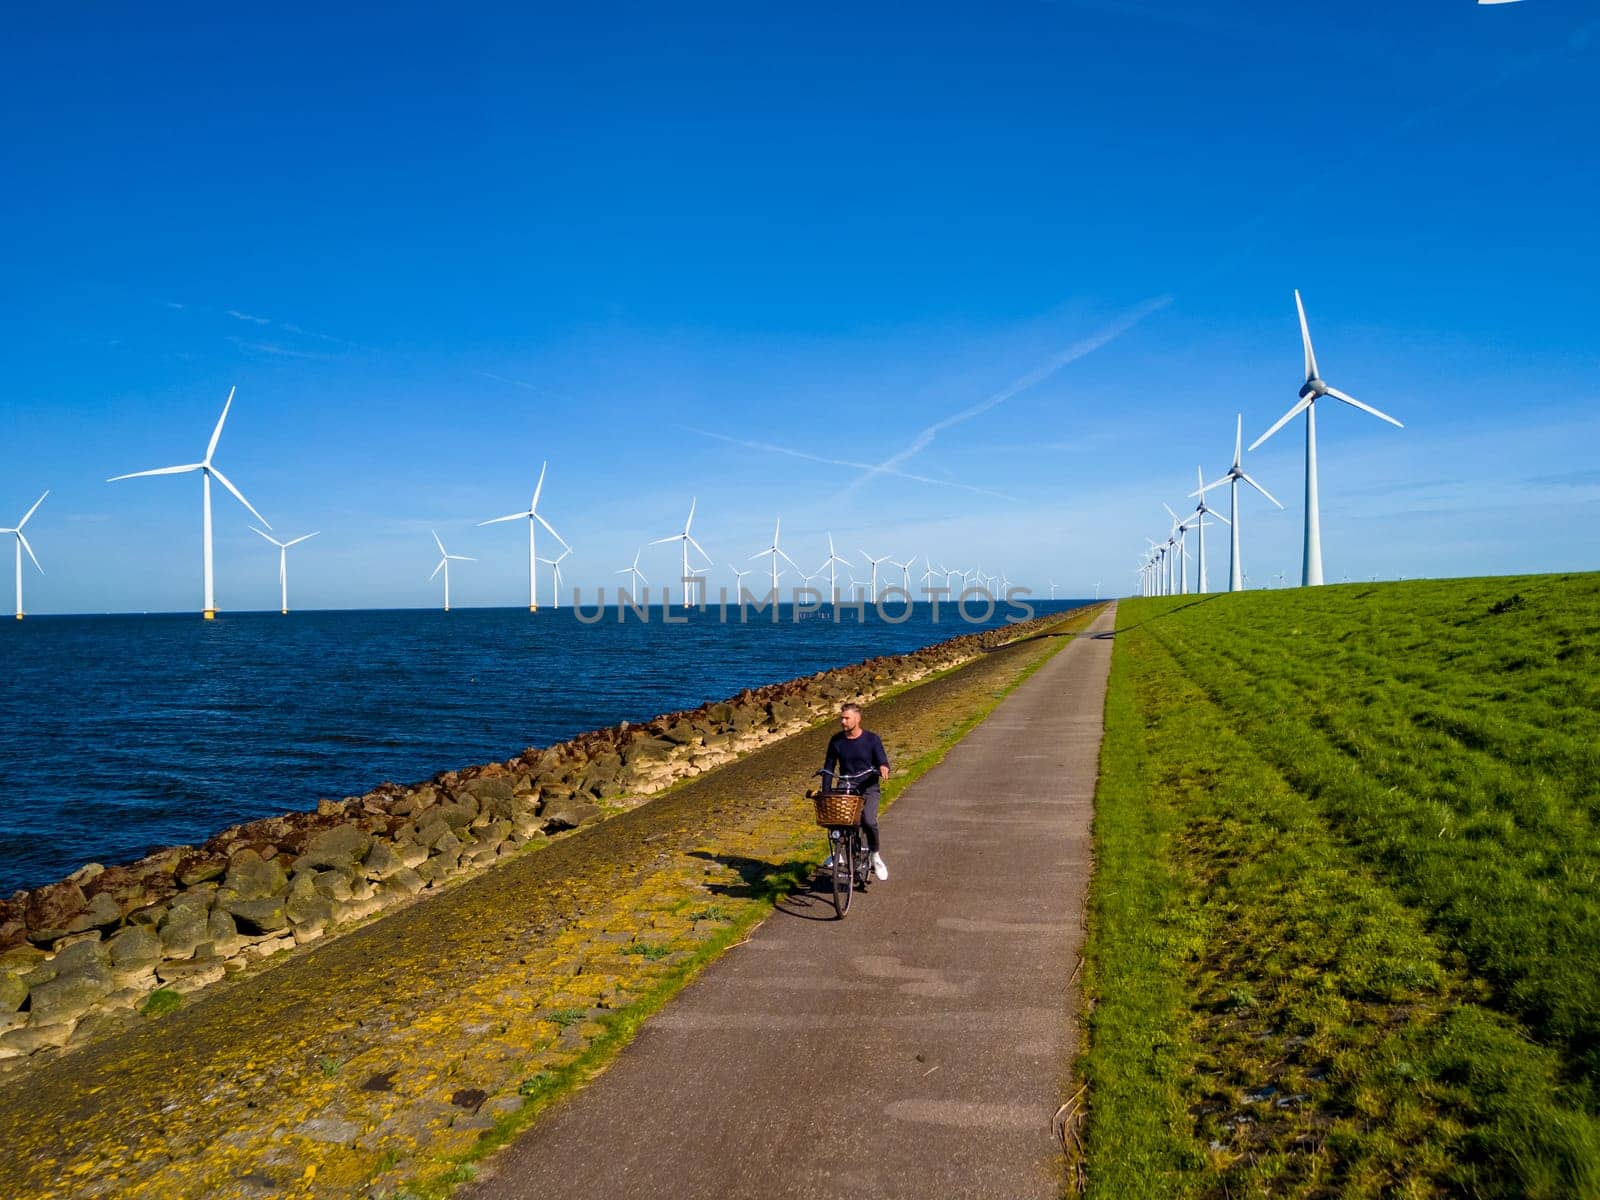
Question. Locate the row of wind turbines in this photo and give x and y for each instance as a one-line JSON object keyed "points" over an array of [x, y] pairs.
{"points": [[690, 574], [1164, 570]]}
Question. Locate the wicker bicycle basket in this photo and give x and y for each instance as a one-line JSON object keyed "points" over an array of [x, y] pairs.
{"points": [[838, 808]]}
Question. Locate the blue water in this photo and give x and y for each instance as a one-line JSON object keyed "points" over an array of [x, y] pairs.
{"points": [[122, 733]]}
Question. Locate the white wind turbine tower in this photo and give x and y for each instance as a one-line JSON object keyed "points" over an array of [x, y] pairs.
{"points": [[875, 562], [738, 581], [1232, 478], [283, 564], [775, 553], [533, 518], [207, 471], [832, 564], [446, 558], [1310, 392], [555, 574], [928, 573], [22, 544], [635, 575], [686, 540], [1201, 511]]}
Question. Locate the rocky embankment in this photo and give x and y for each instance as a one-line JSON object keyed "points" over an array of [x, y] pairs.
{"points": [[105, 942]]}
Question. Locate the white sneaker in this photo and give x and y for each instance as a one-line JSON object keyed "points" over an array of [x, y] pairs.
{"points": [[880, 868]]}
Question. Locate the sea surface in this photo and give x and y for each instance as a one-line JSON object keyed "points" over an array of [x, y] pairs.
{"points": [[119, 734]]}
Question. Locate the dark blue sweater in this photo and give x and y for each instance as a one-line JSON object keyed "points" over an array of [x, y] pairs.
{"points": [[851, 756]]}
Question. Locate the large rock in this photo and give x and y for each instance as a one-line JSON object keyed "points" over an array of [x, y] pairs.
{"points": [[343, 845], [52, 908], [71, 993], [258, 916], [134, 949], [184, 927], [569, 814], [252, 878], [488, 788], [382, 862], [199, 866]]}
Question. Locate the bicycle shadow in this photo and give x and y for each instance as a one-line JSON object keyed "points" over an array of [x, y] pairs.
{"points": [[796, 888]]}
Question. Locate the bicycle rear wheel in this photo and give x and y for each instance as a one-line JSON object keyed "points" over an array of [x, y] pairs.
{"points": [[844, 871], [863, 858]]}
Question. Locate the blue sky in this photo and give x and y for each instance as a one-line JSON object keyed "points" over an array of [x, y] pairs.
{"points": [[1036, 258]]}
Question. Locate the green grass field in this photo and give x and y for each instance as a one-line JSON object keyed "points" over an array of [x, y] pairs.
{"points": [[1345, 921]]}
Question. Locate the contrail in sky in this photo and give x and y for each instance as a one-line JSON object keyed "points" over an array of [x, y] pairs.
{"points": [[923, 440], [839, 462]]}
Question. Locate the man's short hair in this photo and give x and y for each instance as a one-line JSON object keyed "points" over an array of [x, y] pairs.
{"points": [[850, 706]]}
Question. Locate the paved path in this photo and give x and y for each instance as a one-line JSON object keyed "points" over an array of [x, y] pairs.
{"points": [[951, 982]]}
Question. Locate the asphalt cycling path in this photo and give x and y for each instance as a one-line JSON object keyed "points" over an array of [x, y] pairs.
{"points": [[920, 1047]]}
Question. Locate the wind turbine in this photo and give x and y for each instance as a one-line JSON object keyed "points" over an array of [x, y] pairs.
{"points": [[875, 562], [738, 581], [1201, 510], [686, 541], [283, 564], [555, 574], [775, 553], [532, 515], [207, 471], [927, 574], [635, 574], [1312, 390], [22, 544], [1232, 478], [446, 558], [831, 564], [905, 573]]}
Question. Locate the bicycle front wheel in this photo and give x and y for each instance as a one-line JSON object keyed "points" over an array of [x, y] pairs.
{"points": [[844, 870]]}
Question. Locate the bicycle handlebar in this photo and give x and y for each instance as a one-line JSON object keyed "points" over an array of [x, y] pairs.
{"points": [[849, 782]]}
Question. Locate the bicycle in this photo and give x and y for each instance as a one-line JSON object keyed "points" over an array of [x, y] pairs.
{"points": [[839, 812]]}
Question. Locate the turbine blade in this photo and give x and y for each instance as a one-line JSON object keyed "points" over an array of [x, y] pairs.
{"points": [[32, 510], [1294, 412], [1238, 437], [1305, 336], [521, 516], [158, 471], [1168, 507], [552, 530], [677, 537], [789, 560], [238, 495], [1206, 487], [437, 569], [216, 434], [305, 537], [537, 488], [693, 500], [1259, 488], [700, 548], [23, 539], [268, 536], [437, 542], [1211, 512], [640, 574], [1366, 408]]}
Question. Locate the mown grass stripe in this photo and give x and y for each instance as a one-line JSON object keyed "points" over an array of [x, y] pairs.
{"points": [[1245, 936]]}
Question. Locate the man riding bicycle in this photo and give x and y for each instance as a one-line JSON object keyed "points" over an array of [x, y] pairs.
{"points": [[859, 753]]}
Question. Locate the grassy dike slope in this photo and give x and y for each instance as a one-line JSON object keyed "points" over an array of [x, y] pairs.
{"points": [[1345, 923], [386, 1061]]}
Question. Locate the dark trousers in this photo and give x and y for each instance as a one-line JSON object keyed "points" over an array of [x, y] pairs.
{"points": [[869, 817]]}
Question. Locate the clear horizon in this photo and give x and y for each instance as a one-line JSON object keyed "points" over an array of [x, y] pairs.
{"points": [[985, 290]]}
